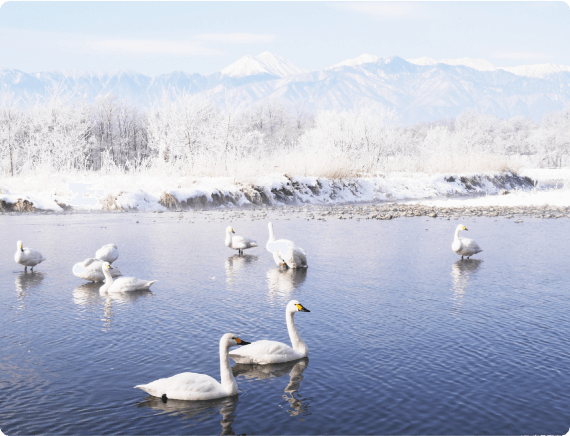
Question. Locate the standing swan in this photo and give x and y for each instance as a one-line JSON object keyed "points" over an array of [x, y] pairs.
{"points": [[122, 284], [285, 251], [27, 256], [194, 387], [464, 246], [238, 243], [264, 352], [107, 253]]}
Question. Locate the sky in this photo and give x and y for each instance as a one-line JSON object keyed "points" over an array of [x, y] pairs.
{"points": [[155, 38]]}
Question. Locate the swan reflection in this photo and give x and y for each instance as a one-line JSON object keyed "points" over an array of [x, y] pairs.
{"points": [[237, 263], [461, 273], [87, 295], [197, 410], [295, 370], [26, 282], [283, 281]]}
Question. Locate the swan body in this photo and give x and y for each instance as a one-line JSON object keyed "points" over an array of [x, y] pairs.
{"points": [[464, 246], [265, 352], [107, 253], [238, 243], [294, 257], [122, 284], [92, 270], [195, 387], [27, 256]]}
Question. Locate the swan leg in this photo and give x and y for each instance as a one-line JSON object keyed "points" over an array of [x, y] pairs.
{"points": [[461, 257], [164, 398], [32, 268], [26, 268]]}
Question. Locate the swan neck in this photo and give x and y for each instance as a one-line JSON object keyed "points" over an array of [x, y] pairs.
{"points": [[108, 277], [228, 239], [271, 234], [457, 234], [226, 375], [296, 341]]}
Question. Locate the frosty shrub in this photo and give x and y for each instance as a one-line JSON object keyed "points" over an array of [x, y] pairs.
{"points": [[189, 136]]}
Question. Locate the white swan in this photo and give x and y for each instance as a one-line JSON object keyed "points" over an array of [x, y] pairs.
{"points": [[464, 246], [264, 352], [27, 256], [238, 243], [92, 270], [194, 387], [122, 284], [107, 253], [285, 251], [294, 257]]}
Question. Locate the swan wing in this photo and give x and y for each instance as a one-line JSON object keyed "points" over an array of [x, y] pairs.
{"points": [[128, 284], [264, 352], [295, 258], [185, 386], [469, 247], [239, 242], [32, 257], [107, 253]]}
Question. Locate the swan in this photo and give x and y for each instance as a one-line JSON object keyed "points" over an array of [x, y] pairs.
{"points": [[27, 256], [264, 352], [107, 253], [238, 243], [92, 270], [273, 244], [464, 246], [122, 284], [195, 387], [294, 257]]}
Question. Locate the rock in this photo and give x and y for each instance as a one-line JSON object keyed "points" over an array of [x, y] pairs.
{"points": [[503, 192]]}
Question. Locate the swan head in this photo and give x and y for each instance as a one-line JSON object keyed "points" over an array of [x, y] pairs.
{"points": [[106, 266], [295, 306], [279, 258], [230, 340], [461, 227], [20, 246], [229, 230]]}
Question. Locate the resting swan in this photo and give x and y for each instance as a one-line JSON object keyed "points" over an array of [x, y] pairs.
{"points": [[122, 284], [194, 387], [464, 246], [238, 243], [92, 270], [27, 256], [107, 253], [264, 352]]}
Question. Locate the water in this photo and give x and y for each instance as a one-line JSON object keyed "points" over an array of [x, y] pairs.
{"points": [[403, 337]]}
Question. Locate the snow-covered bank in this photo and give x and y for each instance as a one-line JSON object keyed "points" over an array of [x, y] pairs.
{"points": [[142, 192]]}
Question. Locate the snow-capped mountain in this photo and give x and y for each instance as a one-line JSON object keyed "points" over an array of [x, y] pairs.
{"points": [[265, 63], [419, 90]]}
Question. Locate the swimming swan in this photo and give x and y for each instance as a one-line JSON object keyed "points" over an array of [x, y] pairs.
{"points": [[193, 387], [238, 243], [107, 253], [122, 284], [464, 246], [264, 352], [92, 270], [27, 256]]}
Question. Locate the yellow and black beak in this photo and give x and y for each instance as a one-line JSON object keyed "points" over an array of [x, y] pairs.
{"points": [[232, 230], [22, 248], [301, 308], [465, 228], [240, 342]]}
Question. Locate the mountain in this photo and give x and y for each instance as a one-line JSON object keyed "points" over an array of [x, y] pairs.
{"points": [[419, 90]]}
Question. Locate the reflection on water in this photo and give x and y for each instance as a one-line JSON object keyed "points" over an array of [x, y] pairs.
{"points": [[27, 282], [461, 272], [282, 281], [87, 294], [197, 410], [294, 369], [237, 263]]}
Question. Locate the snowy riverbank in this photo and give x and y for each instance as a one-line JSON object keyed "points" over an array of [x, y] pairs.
{"points": [[124, 192]]}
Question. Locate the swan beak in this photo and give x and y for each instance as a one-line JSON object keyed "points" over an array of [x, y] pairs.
{"points": [[21, 247], [301, 308], [464, 228], [240, 342], [232, 230]]}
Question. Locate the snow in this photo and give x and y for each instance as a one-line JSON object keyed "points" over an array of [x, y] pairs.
{"points": [[362, 59], [143, 192], [475, 63], [265, 63], [539, 71]]}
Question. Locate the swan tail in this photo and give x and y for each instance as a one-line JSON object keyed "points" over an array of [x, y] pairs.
{"points": [[254, 244], [150, 283]]}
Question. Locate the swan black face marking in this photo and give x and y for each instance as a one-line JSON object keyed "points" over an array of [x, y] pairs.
{"points": [[301, 308], [240, 342]]}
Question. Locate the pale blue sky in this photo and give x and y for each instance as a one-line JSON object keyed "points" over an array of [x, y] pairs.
{"points": [[204, 37]]}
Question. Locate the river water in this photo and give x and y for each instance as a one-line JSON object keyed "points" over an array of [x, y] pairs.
{"points": [[404, 338]]}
